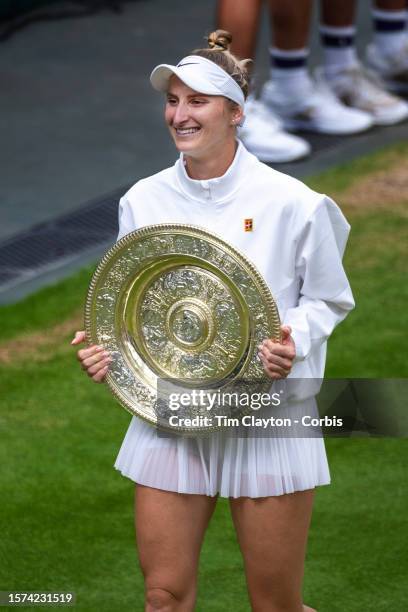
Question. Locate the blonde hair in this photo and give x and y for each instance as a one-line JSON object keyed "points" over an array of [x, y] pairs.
{"points": [[218, 52]]}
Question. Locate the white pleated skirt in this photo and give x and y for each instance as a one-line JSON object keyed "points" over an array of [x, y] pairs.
{"points": [[223, 463]]}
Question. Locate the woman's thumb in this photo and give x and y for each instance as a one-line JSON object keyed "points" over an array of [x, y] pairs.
{"points": [[286, 331], [79, 337]]}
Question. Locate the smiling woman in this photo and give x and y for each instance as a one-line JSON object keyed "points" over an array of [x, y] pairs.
{"points": [[296, 238]]}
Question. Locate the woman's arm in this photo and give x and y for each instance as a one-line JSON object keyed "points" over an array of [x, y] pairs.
{"points": [[325, 294]]}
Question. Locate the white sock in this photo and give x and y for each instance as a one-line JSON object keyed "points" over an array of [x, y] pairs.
{"points": [[390, 33], [339, 52], [289, 70]]}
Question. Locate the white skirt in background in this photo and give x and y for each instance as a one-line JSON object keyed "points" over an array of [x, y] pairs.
{"points": [[222, 463]]}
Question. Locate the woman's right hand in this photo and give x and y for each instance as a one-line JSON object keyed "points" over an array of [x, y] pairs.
{"points": [[94, 359]]}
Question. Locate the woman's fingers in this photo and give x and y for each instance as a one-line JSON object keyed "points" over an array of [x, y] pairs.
{"points": [[274, 366], [273, 359], [97, 367], [274, 371], [276, 358], [282, 350], [99, 376], [94, 358], [274, 374], [91, 351]]}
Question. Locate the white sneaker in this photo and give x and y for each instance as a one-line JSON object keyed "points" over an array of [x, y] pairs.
{"points": [[315, 109], [392, 69], [359, 88], [263, 135]]}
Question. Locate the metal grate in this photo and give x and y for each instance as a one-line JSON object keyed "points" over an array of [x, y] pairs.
{"points": [[28, 253]]}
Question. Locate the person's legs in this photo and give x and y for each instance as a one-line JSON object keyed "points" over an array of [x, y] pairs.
{"points": [[337, 34], [389, 22], [290, 23], [345, 75], [389, 25], [290, 92], [272, 534], [170, 528], [241, 19], [262, 133], [337, 13], [387, 55]]}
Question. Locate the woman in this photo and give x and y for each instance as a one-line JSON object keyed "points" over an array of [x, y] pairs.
{"points": [[297, 240]]}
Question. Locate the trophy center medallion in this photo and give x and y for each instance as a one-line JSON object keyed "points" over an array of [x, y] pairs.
{"points": [[189, 323], [187, 326]]}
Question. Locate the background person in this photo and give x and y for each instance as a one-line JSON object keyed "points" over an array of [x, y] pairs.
{"points": [[291, 98], [343, 73], [269, 481], [343, 97]]}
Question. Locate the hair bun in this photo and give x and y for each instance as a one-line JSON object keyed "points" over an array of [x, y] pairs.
{"points": [[219, 40], [219, 53]]}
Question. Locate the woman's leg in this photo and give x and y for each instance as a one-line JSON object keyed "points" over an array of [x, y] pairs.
{"points": [[170, 529], [272, 534]]}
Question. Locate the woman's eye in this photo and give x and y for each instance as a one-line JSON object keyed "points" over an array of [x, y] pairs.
{"points": [[197, 102], [171, 101]]}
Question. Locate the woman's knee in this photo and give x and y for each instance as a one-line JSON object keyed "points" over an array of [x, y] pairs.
{"points": [[160, 599], [165, 599], [276, 600], [277, 590]]}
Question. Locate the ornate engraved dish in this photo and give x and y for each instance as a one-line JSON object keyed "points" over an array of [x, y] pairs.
{"points": [[176, 305]]}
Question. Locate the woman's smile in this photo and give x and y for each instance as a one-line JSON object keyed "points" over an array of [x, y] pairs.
{"points": [[187, 131]]}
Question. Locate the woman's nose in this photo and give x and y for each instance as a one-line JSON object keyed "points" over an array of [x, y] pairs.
{"points": [[181, 113]]}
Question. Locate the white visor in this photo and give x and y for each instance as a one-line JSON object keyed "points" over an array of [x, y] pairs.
{"points": [[202, 75]]}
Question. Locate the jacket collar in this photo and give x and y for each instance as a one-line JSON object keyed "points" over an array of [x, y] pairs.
{"points": [[220, 188]]}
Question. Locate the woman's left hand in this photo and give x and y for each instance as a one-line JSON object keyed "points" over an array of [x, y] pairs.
{"points": [[277, 357]]}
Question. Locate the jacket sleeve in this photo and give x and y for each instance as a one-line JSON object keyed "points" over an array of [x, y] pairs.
{"points": [[125, 218], [325, 294]]}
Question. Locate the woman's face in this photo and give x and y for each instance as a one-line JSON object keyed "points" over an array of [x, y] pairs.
{"points": [[199, 124]]}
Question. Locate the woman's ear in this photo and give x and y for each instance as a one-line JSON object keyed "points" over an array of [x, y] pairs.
{"points": [[237, 116]]}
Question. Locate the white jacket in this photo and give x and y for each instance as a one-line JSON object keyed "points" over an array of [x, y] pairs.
{"points": [[297, 241]]}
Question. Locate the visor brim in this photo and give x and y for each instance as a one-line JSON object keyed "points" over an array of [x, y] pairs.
{"points": [[161, 75]]}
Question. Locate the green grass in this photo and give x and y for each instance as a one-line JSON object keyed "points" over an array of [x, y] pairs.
{"points": [[67, 516], [372, 341], [343, 176], [45, 308]]}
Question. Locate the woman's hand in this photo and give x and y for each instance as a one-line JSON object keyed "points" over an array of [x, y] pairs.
{"points": [[94, 359], [277, 357]]}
